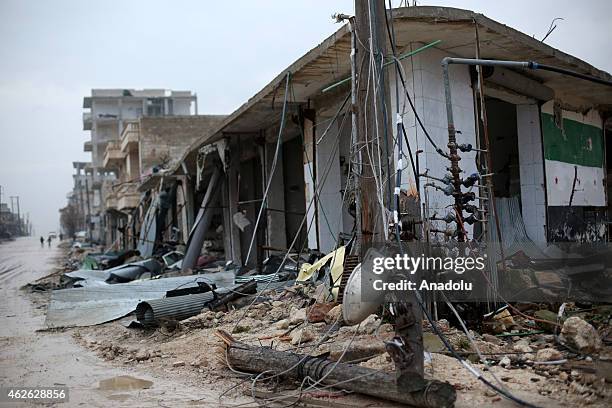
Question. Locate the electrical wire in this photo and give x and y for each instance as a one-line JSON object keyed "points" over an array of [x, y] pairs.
{"points": [[434, 326], [310, 203], [274, 162]]}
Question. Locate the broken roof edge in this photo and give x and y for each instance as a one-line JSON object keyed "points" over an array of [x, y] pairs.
{"points": [[451, 14], [305, 59], [415, 13]]}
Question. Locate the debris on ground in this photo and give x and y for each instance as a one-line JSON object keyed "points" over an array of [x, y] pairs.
{"points": [[560, 364]]}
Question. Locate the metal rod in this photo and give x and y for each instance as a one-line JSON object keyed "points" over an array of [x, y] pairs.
{"points": [[386, 64]]}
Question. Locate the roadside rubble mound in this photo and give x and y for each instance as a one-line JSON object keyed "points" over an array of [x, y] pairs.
{"points": [[530, 362], [547, 357]]}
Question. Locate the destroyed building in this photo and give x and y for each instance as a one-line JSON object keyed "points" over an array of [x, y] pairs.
{"points": [[546, 130], [147, 146], [108, 112], [278, 185]]}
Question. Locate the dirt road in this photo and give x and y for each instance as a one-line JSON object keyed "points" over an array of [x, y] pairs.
{"points": [[29, 358]]}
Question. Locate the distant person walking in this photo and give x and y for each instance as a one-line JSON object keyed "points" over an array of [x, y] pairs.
{"points": [[42, 242], [49, 241], [61, 236]]}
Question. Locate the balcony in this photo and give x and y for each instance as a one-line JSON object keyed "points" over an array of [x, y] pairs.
{"points": [[110, 201], [87, 123], [130, 137], [128, 196], [113, 156]]}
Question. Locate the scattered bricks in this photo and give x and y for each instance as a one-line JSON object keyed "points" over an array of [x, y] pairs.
{"points": [[548, 354], [369, 325], [298, 317], [282, 324], [318, 311], [178, 364], [199, 362], [505, 362], [491, 339], [522, 348], [302, 336], [334, 315], [579, 334], [203, 320], [142, 355]]}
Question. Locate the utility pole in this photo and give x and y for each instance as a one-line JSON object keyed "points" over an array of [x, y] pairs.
{"points": [[406, 348], [12, 198], [368, 125], [19, 230]]}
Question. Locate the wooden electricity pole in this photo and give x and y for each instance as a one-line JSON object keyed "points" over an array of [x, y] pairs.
{"points": [[368, 125], [374, 132]]}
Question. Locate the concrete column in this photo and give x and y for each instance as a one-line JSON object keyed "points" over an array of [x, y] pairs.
{"points": [[309, 184], [231, 178]]}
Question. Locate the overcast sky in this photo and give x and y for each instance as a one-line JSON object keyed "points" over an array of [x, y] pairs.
{"points": [[53, 52]]}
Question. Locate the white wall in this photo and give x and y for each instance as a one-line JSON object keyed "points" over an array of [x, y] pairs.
{"points": [[423, 76], [590, 187], [531, 167]]}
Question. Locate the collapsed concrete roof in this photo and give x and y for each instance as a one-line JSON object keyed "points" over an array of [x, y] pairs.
{"points": [[329, 63]]}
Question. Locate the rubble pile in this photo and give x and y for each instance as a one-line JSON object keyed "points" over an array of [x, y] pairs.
{"points": [[558, 353], [289, 319]]}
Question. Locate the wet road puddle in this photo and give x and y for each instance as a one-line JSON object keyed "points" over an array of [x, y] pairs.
{"points": [[124, 383], [119, 397]]}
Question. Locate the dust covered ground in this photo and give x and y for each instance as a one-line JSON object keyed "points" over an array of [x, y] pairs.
{"points": [[186, 361], [30, 357], [193, 353]]}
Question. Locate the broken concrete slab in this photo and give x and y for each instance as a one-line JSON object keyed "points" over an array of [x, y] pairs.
{"points": [[581, 335]]}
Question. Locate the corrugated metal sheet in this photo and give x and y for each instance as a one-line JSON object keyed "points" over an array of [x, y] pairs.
{"points": [[89, 274], [98, 304], [172, 308], [126, 272], [182, 307]]}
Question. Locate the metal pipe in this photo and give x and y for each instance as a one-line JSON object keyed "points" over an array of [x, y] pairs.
{"points": [[452, 147], [196, 239], [535, 65], [486, 62], [524, 65], [173, 308], [452, 140]]}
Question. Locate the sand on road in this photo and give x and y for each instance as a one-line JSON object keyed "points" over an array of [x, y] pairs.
{"points": [[31, 358]]}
